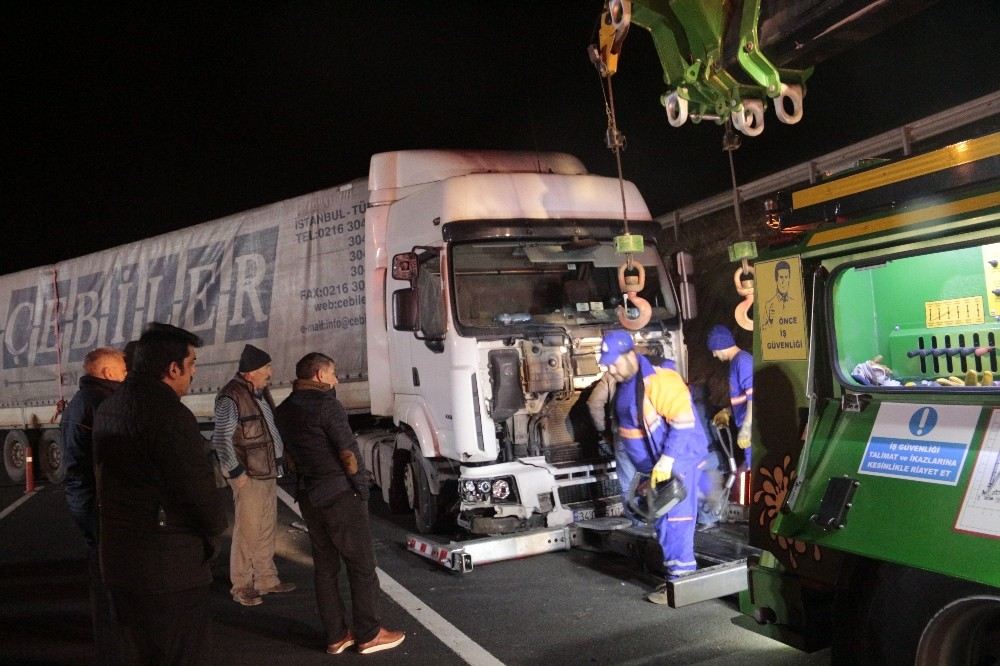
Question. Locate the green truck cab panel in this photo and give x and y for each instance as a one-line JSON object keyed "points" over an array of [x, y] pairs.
{"points": [[909, 466]]}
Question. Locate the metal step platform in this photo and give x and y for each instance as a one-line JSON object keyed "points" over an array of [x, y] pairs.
{"points": [[463, 556], [722, 553]]}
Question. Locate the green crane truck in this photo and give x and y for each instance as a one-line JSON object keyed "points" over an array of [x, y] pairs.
{"points": [[876, 444]]}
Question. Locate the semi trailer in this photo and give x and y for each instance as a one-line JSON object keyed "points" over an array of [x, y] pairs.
{"points": [[463, 296]]}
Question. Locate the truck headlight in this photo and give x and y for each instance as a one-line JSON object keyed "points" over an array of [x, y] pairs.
{"points": [[501, 489], [476, 491]]}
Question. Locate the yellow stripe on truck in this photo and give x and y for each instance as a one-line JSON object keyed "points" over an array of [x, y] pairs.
{"points": [[943, 158], [959, 207]]}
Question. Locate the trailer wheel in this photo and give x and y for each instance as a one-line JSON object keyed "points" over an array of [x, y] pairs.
{"points": [[15, 451], [953, 621], [52, 457]]}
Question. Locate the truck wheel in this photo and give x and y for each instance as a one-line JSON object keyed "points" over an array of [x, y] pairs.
{"points": [[953, 621], [424, 502], [51, 455], [15, 450], [966, 631], [399, 497]]}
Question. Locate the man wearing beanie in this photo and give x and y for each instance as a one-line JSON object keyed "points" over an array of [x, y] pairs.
{"points": [[723, 347], [249, 449]]}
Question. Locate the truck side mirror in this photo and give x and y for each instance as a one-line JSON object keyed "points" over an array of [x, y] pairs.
{"points": [[689, 301], [404, 266], [685, 265], [405, 314]]}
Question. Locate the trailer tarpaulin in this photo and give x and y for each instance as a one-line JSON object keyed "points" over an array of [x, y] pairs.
{"points": [[287, 277]]}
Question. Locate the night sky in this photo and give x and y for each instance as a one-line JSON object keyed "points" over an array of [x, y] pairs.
{"points": [[121, 123]]}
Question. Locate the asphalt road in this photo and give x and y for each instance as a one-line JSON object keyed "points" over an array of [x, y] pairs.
{"points": [[573, 607]]}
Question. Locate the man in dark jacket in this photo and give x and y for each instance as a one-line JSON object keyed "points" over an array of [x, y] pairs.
{"points": [[333, 494], [160, 517], [104, 370]]}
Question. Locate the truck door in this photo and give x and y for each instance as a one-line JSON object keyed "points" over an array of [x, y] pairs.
{"points": [[896, 468], [421, 366]]}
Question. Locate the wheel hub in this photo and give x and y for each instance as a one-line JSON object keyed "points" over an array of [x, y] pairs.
{"points": [[16, 455], [410, 484]]}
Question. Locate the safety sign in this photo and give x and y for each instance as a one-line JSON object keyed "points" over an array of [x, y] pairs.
{"points": [[980, 512], [925, 443], [782, 312]]}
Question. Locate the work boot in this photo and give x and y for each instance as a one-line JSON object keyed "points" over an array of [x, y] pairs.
{"points": [[659, 595], [247, 597], [277, 589], [341, 645], [385, 639]]}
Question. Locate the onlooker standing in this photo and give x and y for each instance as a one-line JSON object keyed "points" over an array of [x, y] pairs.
{"points": [[333, 494], [249, 450], [129, 352], [159, 514], [104, 370]]}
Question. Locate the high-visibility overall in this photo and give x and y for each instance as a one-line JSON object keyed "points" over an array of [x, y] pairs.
{"points": [[668, 427]]}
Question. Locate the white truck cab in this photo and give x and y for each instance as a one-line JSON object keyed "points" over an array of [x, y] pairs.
{"points": [[491, 278]]}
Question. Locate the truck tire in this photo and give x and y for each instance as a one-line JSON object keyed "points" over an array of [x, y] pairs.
{"points": [[399, 501], [15, 450], [953, 621], [426, 511], [51, 455], [966, 631]]}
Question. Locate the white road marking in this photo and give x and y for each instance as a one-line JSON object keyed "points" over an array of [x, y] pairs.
{"points": [[445, 631], [24, 498]]}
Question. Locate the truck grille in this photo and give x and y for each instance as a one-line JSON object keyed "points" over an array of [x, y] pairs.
{"points": [[585, 492], [564, 454]]}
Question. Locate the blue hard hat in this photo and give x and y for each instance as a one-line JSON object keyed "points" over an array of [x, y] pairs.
{"points": [[719, 337], [614, 344]]}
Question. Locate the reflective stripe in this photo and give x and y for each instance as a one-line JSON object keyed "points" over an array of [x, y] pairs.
{"points": [[631, 433], [680, 519]]}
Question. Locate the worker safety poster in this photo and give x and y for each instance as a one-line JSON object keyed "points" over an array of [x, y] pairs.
{"points": [[980, 510], [924, 443], [781, 310]]}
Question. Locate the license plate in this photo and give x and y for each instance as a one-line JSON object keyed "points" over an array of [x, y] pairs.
{"points": [[582, 514]]}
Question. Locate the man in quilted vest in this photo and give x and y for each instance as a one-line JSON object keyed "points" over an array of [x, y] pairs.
{"points": [[249, 449]]}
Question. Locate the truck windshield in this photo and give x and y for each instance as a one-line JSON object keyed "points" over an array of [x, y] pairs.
{"points": [[927, 321], [503, 284]]}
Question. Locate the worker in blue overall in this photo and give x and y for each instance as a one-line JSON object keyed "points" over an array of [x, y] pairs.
{"points": [[662, 436], [722, 344]]}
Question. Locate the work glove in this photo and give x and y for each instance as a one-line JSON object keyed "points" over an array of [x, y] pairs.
{"points": [[662, 471], [972, 378], [721, 418], [743, 437]]}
